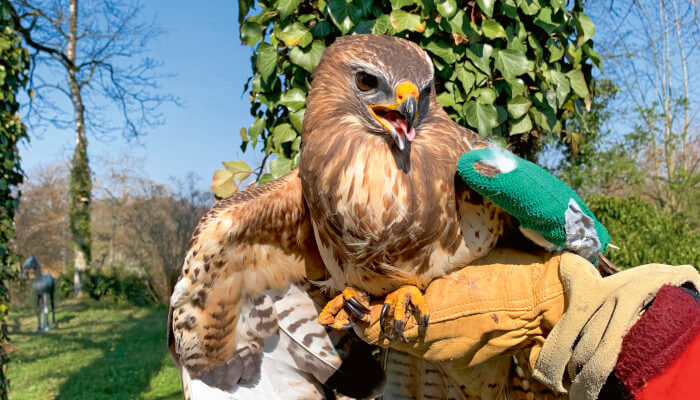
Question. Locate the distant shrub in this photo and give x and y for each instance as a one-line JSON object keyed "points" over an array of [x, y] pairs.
{"points": [[645, 233], [111, 286]]}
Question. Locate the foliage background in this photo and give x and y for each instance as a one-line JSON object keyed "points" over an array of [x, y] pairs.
{"points": [[14, 62], [515, 70]]}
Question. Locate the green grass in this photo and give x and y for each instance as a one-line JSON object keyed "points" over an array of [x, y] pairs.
{"points": [[97, 352]]}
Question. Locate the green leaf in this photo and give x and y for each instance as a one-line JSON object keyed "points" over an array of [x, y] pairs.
{"points": [[485, 95], [307, 58], [364, 26], [584, 28], [447, 99], [266, 60], [562, 86], [522, 125], [283, 133], [381, 25], [592, 54], [466, 77], [493, 29], [511, 63], [486, 6], [239, 169], [297, 118], [578, 82], [280, 167], [321, 29], [344, 14], [294, 99], [544, 20], [222, 183], [518, 106], [265, 178], [479, 54], [555, 51], [447, 8], [396, 4], [529, 7], [251, 33], [403, 21], [294, 34], [441, 49], [517, 86], [482, 117], [286, 7]]}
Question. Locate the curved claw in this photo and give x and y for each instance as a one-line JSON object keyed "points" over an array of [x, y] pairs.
{"points": [[343, 311], [402, 303], [359, 310]]}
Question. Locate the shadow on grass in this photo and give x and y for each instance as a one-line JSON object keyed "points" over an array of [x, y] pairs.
{"points": [[132, 355]]}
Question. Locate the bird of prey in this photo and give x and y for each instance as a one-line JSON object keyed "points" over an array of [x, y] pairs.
{"points": [[374, 202]]}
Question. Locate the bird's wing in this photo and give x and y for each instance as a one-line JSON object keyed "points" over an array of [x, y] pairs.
{"points": [[220, 311]]}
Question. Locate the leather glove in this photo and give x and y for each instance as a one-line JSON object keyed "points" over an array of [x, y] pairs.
{"points": [[509, 300]]}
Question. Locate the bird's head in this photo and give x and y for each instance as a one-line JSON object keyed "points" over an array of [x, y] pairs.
{"points": [[383, 83]]}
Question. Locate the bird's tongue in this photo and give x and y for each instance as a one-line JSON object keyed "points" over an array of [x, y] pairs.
{"points": [[402, 129]]}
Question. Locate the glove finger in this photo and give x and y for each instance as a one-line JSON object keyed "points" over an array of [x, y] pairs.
{"points": [[590, 337]]}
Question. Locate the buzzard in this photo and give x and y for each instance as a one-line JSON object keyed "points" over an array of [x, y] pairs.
{"points": [[373, 208]]}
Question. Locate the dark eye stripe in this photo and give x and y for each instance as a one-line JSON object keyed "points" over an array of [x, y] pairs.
{"points": [[366, 81]]}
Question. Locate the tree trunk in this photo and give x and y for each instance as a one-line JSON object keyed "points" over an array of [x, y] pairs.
{"points": [[80, 182]]}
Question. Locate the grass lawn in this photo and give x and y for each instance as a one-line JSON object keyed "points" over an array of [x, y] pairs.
{"points": [[97, 352]]}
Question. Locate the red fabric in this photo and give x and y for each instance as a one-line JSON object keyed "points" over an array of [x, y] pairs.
{"points": [[657, 341], [680, 381]]}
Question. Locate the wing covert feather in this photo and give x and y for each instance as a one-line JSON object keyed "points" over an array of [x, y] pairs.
{"points": [[250, 242]]}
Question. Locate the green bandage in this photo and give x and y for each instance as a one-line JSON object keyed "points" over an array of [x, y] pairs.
{"points": [[550, 212]]}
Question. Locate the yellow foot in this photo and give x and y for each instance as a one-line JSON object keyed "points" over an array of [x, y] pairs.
{"points": [[345, 310], [401, 304]]}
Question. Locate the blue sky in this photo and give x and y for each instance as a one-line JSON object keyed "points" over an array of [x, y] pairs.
{"points": [[201, 49]]}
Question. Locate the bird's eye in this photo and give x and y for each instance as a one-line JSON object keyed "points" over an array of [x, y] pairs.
{"points": [[365, 81]]}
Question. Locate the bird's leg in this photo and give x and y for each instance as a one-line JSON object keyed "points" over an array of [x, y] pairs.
{"points": [[344, 310], [400, 305]]}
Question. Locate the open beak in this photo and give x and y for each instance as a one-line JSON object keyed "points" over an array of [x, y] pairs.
{"points": [[398, 118]]}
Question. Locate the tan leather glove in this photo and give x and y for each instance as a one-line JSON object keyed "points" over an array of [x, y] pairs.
{"points": [[511, 300]]}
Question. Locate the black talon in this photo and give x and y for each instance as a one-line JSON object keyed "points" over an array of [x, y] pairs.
{"points": [[382, 318], [348, 326], [352, 306], [355, 303]]}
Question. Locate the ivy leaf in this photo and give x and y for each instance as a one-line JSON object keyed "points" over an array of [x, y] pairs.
{"points": [[466, 77], [493, 29], [544, 20], [286, 7], [403, 21], [265, 178], [280, 167], [584, 28], [381, 25], [283, 133], [239, 169], [517, 86], [441, 49], [561, 85], [447, 99], [294, 99], [344, 14], [518, 106], [486, 6], [308, 58], [592, 54], [266, 60], [529, 7], [321, 29], [522, 125], [482, 117], [447, 8], [396, 4], [251, 33], [511, 63], [479, 54], [578, 83], [485, 95], [555, 51], [294, 34], [222, 184], [364, 26], [297, 118]]}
